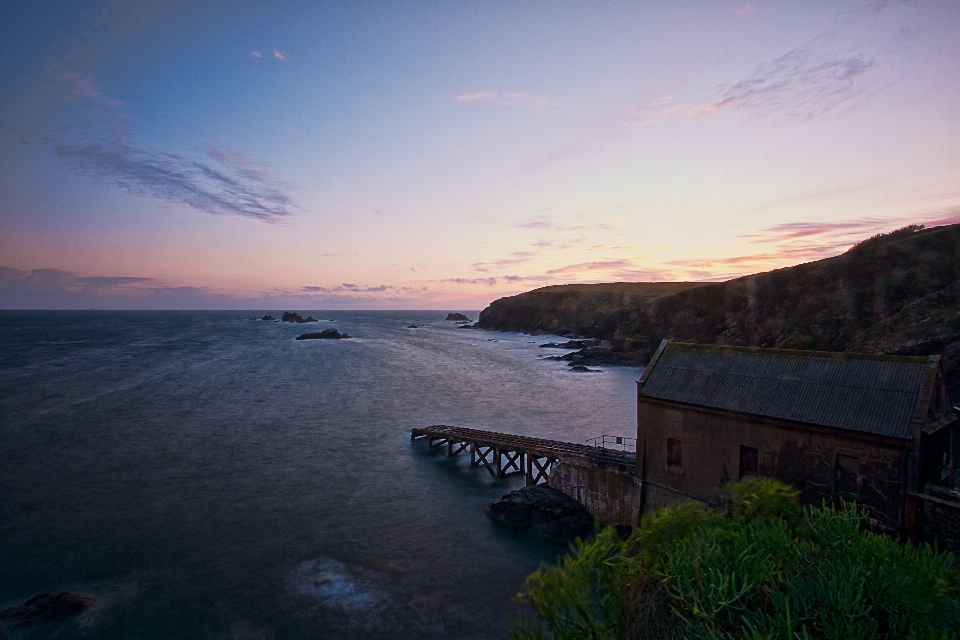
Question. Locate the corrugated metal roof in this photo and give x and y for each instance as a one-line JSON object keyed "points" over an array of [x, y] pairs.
{"points": [[872, 394]]}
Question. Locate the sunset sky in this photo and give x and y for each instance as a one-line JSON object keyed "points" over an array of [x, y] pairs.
{"points": [[347, 155]]}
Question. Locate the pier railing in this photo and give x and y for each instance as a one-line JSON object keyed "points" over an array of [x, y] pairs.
{"points": [[505, 454], [617, 443]]}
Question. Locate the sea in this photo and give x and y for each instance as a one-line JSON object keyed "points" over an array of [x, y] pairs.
{"points": [[206, 475]]}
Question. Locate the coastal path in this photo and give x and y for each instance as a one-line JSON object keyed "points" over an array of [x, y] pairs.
{"points": [[505, 454]]}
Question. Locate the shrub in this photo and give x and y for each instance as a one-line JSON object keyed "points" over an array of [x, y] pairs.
{"points": [[761, 567]]}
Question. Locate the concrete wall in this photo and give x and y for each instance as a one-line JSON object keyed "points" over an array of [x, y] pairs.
{"points": [[710, 456], [610, 496]]}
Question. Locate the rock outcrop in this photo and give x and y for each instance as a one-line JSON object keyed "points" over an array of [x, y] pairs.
{"points": [[326, 334], [570, 344], [544, 510], [457, 316], [53, 606], [268, 318], [296, 317]]}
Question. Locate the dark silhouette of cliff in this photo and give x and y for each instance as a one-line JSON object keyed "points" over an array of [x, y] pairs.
{"points": [[830, 304]]}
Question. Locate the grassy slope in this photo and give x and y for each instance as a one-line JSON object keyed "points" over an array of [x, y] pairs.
{"points": [[593, 310]]}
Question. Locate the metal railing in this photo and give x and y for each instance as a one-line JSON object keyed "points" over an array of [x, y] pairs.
{"points": [[616, 443]]}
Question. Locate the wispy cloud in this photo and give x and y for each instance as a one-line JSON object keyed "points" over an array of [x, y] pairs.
{"points": [[656, 112], [597, 265], [279, 55], [804, 84], [504, 99], [232, 185], [795, 230], [83, 85], [256, 54], [519, 257], [487, 281], [535, 222], [475, 97]]}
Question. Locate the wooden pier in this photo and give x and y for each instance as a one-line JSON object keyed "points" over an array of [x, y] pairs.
{"points": [[505, 454]]}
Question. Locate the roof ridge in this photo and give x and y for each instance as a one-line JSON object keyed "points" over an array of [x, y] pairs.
{"points": [[834, 355]]}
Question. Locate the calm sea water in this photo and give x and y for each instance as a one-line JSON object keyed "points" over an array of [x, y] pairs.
{"points": [[197, 472]]}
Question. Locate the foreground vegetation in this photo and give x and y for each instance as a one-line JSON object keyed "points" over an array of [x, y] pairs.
{"points": [[760, 568]]}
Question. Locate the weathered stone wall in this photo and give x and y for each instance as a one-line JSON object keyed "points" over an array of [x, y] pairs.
{"points": [[610, 496], [940, 518], [710, 455]]}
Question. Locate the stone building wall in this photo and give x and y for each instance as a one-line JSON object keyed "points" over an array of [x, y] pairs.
{"points": [[823, 465], [610, 496]]}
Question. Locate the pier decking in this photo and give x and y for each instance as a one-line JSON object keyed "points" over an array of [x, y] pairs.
{"points": [[505, 454]]}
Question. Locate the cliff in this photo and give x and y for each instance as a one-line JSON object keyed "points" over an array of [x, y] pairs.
{"points": [[829, 304]]}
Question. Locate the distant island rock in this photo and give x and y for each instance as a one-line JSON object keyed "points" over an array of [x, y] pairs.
{"points": [[296, 317], [269, 319], [457, 316], [52, 606], [544, 510], [326, 334]]}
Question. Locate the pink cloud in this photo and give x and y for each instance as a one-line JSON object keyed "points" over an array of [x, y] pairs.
{"points": [[474, 97], [279, 55], [256, 54], [644, 117], [716, 106]]}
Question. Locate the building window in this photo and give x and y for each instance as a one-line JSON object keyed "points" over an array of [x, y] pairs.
{"points": [[748, 462], [848, 474], [673, 454]]}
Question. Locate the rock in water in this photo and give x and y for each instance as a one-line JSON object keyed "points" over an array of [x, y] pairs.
{"points": [[570, 344], [547, 511], [582, 369], [326, 334], [52, 606], [457, 316], [412, 326], [269, 318]]}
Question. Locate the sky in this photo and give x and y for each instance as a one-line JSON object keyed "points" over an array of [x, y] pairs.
{"points": [[440, 155]]}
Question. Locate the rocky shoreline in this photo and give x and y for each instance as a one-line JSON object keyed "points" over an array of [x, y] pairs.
{"points": [[545, 511]]}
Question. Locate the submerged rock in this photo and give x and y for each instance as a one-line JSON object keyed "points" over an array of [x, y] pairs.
{"points": [[583, 369], [457, 316], [412, 326], [52, 606], [547, 511], [468, 326], [326, 334]]}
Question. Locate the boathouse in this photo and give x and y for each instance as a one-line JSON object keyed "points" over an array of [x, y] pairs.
{"points": [[878, 430]]}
